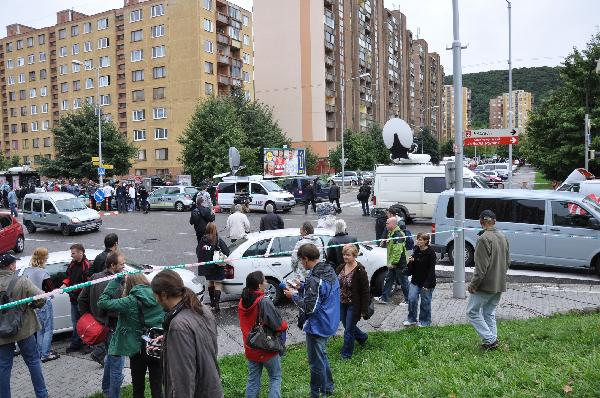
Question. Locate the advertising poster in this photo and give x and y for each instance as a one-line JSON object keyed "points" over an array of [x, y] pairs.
{"points": [[284, 162]]}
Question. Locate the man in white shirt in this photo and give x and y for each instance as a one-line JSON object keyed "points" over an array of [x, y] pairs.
{"points": [[108, 192], [238, 224], [131, 198]]}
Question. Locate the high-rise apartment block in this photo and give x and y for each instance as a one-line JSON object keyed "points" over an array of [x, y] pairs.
{"points": [[522, 102], [449, 129], [330, 65], [145, 64]]}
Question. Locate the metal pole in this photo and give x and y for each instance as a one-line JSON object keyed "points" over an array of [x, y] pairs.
{"points": [[510, 96], [100, 178], [586, 136], [343, 131], [458, 287]]}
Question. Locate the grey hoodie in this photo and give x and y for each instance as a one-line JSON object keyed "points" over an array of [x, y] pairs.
{"points": [[315, 240]]}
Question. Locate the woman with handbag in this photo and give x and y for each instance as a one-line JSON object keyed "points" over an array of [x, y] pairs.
{"points": [[256, 312], [138, 311], [214, 273], [354, 299]]}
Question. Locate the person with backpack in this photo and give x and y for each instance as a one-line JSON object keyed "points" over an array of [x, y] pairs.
{"points": [[13, 288], [253, 308], [138, 311], [421, 265], [214, 273], [364, 193]]}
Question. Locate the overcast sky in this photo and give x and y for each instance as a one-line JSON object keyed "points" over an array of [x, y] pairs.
{"points": [[544, 31]]}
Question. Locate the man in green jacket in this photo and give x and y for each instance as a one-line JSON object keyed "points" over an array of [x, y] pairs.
{"points": [[396, 260], [492, 259], [25, 336]]}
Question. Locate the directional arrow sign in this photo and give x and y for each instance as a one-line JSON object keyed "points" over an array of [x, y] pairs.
{"points": [[108, 166], [492, 133], [99, 195], [486, 141]]}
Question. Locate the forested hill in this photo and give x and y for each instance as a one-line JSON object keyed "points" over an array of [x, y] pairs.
{"points": [[486, 85]]}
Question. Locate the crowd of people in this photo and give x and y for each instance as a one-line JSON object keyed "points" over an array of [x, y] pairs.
{"points": [[329, 286]]}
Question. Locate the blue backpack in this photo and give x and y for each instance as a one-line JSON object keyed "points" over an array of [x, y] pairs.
{"points": [[409, 241]]}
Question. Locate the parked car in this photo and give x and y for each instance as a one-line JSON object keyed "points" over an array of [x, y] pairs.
{"points": [[276, 267], [57, 267], [350, 178], [262, 192], [365, 176], [500, 168], [176, 197], [492, 178], [296, 185], [11, 234]]}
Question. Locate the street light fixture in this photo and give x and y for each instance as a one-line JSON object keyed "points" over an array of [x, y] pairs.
{"points": [[343, 81], [510, 98], [100, 177]]}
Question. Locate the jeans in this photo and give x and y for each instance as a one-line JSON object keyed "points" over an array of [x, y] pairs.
{"points": [[121, 205], [131, 204], [13, 209], [273, 367], [44, 335], [365, 207], [351, 330], [414, 292], [481, 311], [321, 379], [307, 202], [31, 357], [75, 315], [113, 375], [145, 205], [395, 274], [139, 363]]}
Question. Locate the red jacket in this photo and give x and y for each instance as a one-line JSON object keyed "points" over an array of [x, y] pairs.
{"points": [[248, 317]]}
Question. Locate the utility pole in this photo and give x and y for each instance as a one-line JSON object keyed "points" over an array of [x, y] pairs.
{"points": [[510, 97], [100, 176]]}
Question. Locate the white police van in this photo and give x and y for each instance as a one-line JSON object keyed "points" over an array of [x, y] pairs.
{"points": [[261, 191]]}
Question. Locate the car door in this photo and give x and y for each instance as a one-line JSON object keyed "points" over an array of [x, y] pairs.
{"points": [[50, 215], [251, 262], [525, 228], [279, 262], [37, 213], [156, 198], [5, 234], [259, 196], [170, 197], [432, 187], [571, 240], [60, 302]]}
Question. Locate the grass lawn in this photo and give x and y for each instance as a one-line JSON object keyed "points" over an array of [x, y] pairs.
{"points": [[541, 182], [542, 357]]}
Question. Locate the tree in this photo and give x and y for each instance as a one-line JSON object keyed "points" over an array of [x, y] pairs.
{"points": [[76, 142], [15, 161], [311, 158], [430, 145], [447, 148], [4, 162], [382, 154]]}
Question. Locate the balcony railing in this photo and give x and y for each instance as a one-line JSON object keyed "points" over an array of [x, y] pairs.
{"points": [[329, 45], [330, 124], [329, 61], [223, 59], [222, 18], [329, 77], [329, 92], [224, 80], [222, 39], [329, 108]]}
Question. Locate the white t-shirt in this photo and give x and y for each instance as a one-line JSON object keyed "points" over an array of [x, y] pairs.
{"points": [[108, 191], [132, 192]]}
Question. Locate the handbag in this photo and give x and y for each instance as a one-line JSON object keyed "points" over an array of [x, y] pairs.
{"points": [[90, 330], [370, 309], [153, 350], [263, 338]]}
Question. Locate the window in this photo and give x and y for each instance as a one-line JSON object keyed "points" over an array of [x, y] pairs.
{"points": [[102, 42], [30, 59], [137, 35], [45, 124], [245, 20], [208, 88], [104, 99], [15, 145], [257, 189], [22, 94], [75, 49], [234, 33], [529, 211], [137, 55], [137, 95], [62, 69], [158, 30], [23, 111], [10, 80], [161, 154], [139, 115], [137, 75], [12, 96], [246, 77], [47, 142], [102, 23], [25, 144], [64, 87], [158, 93], [139, 135], [42, 57], [24, 127], [87, 27], [62, 34], [208, 5], [77, 103], [246, 40], [246, 58], [32, 93], [9, 47], [20, 61], [159, 72], [104, 61], [13, 112], [158, 51], [160, 113], [258, 249], [135, 16], [88, 64], [570, 215], [87, 46], [13, 128], [104, 81], [21, 78], [161, 134], [45, 108], [34, 109], [74, 30], [64, 105], [30, 42], [89, 83], [34, 126], [434, 184], [284, 245], [75, 67], [89, 100], [208, 46], [157, 10], [141, 154], [9, 64], [43, 74], [208, 67], [208, 25]]}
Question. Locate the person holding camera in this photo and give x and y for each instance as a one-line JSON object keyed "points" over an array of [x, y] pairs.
{"points": [[318, 299], [137, 311]]}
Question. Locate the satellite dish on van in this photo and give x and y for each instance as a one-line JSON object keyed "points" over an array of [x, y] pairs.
{"points": [[234, 160], [398, 138]]}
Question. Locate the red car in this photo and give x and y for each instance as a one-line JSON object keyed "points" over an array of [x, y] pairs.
{"points": [[11, 234]]}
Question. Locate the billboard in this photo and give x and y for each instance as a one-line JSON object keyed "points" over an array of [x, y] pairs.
{"points": [[284, 162]]}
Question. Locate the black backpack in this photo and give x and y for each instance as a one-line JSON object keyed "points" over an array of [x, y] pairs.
{"points": [[11, 319]]}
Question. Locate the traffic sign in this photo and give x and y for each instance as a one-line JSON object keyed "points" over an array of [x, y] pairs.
{"points": [[99, 195], [487, 141], [108, 166], [492, 133], [101, 171], [95, 158], [344, 160]]}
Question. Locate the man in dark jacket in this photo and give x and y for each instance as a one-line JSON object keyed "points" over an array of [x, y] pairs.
{"points": [[319, 303], [121, 194], [78, 272], [334, 195], [111, 243], [270, 220], [364, 193], [201, 216], [334, 254], [309, 197], [143, 192]]}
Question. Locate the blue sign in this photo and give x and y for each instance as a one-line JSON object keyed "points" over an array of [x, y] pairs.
{"points": [[101, 171], [99, 195]]}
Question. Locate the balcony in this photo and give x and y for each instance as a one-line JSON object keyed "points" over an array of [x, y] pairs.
{"points": [[329, 108], [223, 59], [328, 2], [329, 77], [329, 61], [236, 43], [330, 124], [222, 18], [236, 82], [236, 63], [222, 39], [329, 92], [328, 45], [222, 79]]}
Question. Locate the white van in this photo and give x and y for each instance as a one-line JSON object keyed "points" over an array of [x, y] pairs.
{"points": [[500, 168], [262, 193], [415, 187], [543, 227], [583, 187]]}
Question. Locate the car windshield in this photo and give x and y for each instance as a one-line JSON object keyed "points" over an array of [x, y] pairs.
{"points": [[481, 181], [271, 186], [592, 203], [72, 204], [237, 244]]}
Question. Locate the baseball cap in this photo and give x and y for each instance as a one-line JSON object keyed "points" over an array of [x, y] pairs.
{"points": [[487, 215], [7, 259]]}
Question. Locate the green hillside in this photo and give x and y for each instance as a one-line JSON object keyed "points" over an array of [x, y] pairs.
{"points": [[486, 85]]}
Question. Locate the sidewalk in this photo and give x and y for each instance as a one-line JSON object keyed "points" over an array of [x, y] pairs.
{"points": [[78, 376]]}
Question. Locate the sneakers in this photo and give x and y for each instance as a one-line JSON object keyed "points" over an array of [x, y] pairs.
{"points": [[51, 357], [379, 300], [490, 346], [409, 323]]}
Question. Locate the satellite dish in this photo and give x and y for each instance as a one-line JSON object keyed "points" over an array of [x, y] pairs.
{"points": [[398, 138], [234, 160]]}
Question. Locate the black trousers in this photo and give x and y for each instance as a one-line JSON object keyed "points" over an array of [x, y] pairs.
{"points": [[139, 363], [337, 202], [307, 202]]}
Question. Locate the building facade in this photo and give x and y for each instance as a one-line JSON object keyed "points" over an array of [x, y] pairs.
{"points": [[523, 102], [449, 130], [146, 65]]}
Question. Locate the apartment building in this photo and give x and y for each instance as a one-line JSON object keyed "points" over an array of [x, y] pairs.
{"points": [[523, 102], [449, 130], [340, 65], [146, 65]]}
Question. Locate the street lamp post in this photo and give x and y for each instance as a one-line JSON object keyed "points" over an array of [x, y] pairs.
{"points": [[586, 131], [510, 97], [343, 85], [100, 177]]}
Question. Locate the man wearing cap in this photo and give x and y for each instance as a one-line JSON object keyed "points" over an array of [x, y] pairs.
{"points": [[492, 259], [25, 336]]}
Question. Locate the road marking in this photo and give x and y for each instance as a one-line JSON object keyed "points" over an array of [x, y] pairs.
{"points": [[189, 253], [121, 229], [183, 233]]}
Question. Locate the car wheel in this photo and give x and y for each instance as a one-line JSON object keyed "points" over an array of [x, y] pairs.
{"points": [[64, 229], [273, 291], [377, 283], [179, 206], [30, 227], [286, 210], [469, 255], [20, 245]]}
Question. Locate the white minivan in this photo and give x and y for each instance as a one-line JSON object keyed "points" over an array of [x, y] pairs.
{"points": [[543, 227], [262, 192], [415, 187]]}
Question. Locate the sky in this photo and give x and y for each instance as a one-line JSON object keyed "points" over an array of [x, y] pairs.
{"points": [[543, 31]]}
